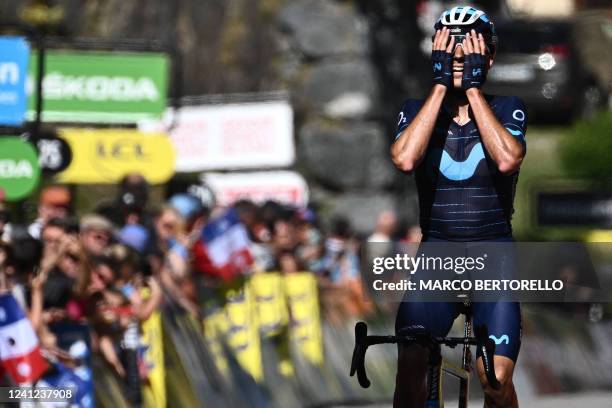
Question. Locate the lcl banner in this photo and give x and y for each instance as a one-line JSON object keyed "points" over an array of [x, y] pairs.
{"points": [[100, 87], [14, 56], [107, 155]]}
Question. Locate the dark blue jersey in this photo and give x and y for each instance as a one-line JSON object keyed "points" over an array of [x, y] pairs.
{"points": [[462, 194]]}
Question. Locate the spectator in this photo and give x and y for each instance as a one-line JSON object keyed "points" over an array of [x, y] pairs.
{"points": [[134, 236], [95, 233], [309, 241], [5, 219], [341, 288], [53, 233], [288, 262], [68, 272], [380, 243], [54, 202], [20, 264], [192, 210], [284, 235], [129, 206], [386, 226], [259, 233], [169, 228], [172, 240], [81, 273]]}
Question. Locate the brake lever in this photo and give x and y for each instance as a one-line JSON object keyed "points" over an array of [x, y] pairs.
{"points": [[359, 352], [487, 348]]}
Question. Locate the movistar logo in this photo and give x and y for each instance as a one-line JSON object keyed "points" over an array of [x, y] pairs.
{"points": [[99, 88], [438, 66], [459, 171], [476, 71], [503, 339]]}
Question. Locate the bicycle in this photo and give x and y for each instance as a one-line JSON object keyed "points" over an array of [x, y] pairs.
{"points": [[436, 364]]}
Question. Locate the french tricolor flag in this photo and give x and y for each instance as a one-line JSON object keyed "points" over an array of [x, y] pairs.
{"points": [[227, 245], [19, 349]]}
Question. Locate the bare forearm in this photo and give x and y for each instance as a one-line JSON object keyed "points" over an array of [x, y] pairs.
{"points": [[148, 307], [36, 308], [505, 150], [410, 148]]}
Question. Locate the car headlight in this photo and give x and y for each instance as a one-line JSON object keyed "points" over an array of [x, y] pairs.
{"points": [[547, 61]]}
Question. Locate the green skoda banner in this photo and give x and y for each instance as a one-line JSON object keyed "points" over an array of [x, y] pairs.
{"points": [[19, 169], [100, 87]]}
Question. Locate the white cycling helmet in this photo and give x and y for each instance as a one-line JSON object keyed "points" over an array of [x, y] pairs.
{"points": [[462, 19]]}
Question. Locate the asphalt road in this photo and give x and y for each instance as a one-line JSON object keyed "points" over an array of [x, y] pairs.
{"points": [[578, 400]]}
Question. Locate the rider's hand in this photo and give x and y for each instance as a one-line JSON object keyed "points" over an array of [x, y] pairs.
{"points": [[442, 58], [475, 63]]}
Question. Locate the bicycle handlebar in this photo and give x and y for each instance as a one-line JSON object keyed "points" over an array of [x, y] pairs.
{"points": [[363, 341]]}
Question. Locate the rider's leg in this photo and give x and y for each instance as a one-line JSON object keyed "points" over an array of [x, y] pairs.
{"points": [[505, 396], [410, 387], [434, 317], [503, 321]]}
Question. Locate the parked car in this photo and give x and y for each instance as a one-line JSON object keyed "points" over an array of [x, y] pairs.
{"points": [[538, 61]]}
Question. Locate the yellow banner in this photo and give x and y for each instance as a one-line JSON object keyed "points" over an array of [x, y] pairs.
{"points": [[242, 331], [214, 329], [107, 155], [303, 300], [268, 292], [154, 391]]}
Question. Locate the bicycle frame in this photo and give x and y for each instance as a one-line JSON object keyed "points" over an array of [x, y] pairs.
{"points": [[437, 365]]}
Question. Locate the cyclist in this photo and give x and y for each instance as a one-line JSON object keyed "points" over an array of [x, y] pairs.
{"points": [[465, 149]]}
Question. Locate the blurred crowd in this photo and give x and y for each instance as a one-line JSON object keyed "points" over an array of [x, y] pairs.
{"points": [[114, 267]]}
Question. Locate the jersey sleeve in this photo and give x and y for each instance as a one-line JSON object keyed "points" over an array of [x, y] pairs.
{"points": [[513, 116], [406, 115]]}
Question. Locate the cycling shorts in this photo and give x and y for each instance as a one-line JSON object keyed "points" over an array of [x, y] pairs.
{"points": [[503, 319]]}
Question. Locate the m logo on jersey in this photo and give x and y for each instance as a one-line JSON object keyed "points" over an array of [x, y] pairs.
{"points": [[461, 170], [501, 340]]}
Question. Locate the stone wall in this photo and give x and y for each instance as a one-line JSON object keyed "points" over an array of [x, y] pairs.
{"points": [[342, 144]]}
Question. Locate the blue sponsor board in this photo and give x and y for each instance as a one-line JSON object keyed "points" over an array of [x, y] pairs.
{"points": [[14, 56]]}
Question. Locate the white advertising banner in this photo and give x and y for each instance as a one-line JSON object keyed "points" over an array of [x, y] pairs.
{"points": [[233, 136], [287, 187]]}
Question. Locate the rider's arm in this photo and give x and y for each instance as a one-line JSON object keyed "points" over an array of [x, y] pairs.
{"points": [[503, 147], [416, 125], [411, 144]]}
